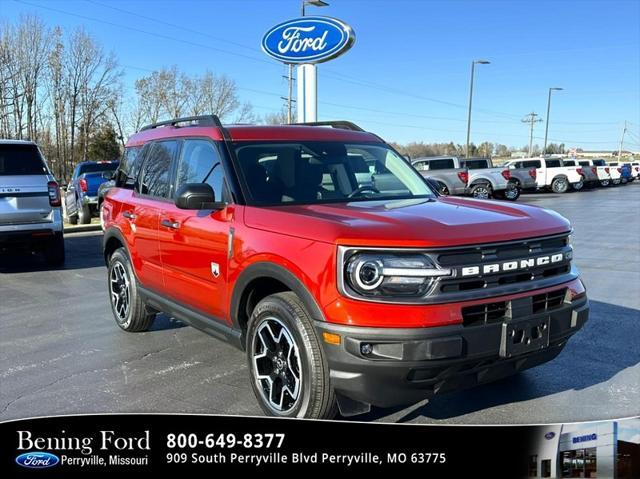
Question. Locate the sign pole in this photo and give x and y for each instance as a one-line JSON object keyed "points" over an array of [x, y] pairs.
{"points": [[307, 99]]}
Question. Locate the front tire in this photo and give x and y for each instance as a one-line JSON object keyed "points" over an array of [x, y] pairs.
{"points": [[605, 183], [578, 186], [127, 306], [560, 185], [288, 368]]}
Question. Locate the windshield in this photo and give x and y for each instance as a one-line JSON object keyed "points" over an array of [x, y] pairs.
{"points": [[312, 172]]}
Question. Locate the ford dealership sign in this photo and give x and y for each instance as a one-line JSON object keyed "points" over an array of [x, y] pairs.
{"points": [[308, 40]]}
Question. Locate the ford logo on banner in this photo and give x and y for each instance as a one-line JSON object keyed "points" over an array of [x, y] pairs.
{"points": [[37, 460], [550, 435], [308, 40]]}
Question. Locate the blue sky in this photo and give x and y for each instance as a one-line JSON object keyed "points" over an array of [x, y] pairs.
{"points": [[407, 76]]}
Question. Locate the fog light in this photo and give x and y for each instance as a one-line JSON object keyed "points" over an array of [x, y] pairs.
{"points": [[366, 349]]}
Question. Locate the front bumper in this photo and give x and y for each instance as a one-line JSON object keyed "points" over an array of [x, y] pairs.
{"points": [[407, 365]]}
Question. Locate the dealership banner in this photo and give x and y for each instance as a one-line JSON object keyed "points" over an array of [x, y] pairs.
{"points": [[98, 444]]}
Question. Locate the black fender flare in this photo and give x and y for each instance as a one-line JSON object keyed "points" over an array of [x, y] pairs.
{"points": [[110, 234], [266, 269]]}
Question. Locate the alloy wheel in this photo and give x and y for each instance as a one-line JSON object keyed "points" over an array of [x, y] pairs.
{"points": [[120, 289], [277, 365]]}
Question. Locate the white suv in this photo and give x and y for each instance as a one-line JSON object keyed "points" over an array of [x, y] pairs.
{"points": [[30, 213]]}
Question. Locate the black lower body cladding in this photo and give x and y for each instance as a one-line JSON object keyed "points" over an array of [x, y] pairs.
{"points": [[389, 367]]}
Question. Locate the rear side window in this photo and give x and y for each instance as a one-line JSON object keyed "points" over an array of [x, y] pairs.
{"points": [[157, 167], [584, 163], [553, 164], [440, 164], [200, 163], [531, 164], [21, 160], [599, 163]]}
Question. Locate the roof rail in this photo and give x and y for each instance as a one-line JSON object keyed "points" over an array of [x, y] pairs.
{"points": [[202, 120], [340, 124]]}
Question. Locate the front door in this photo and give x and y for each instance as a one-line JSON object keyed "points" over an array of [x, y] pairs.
{"points": [[194, 243]]}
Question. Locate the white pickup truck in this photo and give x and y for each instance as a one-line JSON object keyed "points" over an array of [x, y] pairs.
{"points": [[552, 173], [600, 170]]}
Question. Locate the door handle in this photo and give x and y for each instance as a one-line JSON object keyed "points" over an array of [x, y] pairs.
{"points": [[129, 215], [174, 225]]}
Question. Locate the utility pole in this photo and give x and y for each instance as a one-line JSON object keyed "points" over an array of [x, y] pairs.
{"points": [[289, 98], [532, 119], [624, 130]]}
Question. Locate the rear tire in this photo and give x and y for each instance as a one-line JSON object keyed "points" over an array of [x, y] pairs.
{"points": [[128, 309], [84, 214], [578, 186], [288, 368], [605, 183], [560, 185], [54, 251]]}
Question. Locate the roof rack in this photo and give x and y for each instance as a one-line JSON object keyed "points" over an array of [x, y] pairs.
{"points": [[340, 124], [202, 120]]}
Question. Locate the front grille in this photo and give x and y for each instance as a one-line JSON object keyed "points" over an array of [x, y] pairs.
{"points": [[479, 256], [499, 311]]}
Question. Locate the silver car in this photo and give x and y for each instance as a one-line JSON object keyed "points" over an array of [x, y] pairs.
{"points": [[30, 212]]}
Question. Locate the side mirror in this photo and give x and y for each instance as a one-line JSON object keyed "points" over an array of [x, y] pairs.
{"points": [[197, 196]]}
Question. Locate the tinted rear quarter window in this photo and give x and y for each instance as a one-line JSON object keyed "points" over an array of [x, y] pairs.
{"points": [[21, 160]]}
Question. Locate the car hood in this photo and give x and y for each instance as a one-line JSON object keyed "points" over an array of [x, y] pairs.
{"points": [[446, 221]]}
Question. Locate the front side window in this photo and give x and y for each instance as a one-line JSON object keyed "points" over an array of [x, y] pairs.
{"points": [[570, 163], [157, 168], [199, 162], [324, 172]]}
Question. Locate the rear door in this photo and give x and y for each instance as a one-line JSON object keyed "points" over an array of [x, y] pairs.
{"points": [[24, 196], [150, 197], [194, 243]]}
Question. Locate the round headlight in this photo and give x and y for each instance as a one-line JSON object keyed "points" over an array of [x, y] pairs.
{"points": [[367, 274]]}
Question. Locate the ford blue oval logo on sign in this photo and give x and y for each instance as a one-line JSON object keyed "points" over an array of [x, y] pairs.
{"points": [[308, 40], [550, 435], [37, 460]]}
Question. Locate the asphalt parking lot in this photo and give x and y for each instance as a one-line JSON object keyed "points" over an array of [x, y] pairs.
{"points": [[61, 351]]}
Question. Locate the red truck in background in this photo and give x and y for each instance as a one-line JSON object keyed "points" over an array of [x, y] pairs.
{"points": [[345, 289]]}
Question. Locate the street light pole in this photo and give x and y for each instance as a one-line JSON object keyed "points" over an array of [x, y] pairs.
{"points": [[473, 68], [546, 125]]}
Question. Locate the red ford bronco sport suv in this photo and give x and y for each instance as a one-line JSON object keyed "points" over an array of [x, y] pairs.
{"points": [[323, 254]]}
